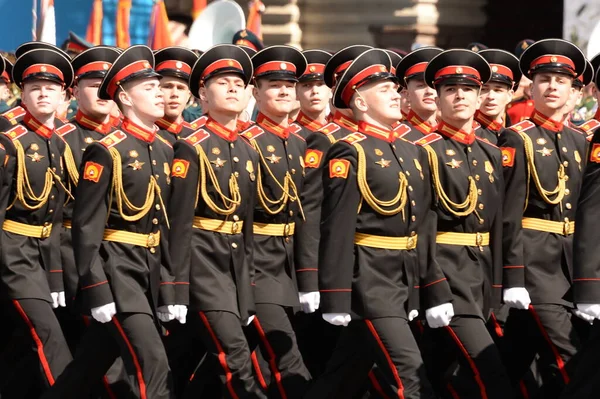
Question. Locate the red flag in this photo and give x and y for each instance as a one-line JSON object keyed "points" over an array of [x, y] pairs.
{"points": [[197, 7], [94, 29], [122, 23], [160, 36], [254, 24]]}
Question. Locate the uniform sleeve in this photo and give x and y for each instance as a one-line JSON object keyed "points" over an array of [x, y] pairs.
{"points": [[433, 287], [586, 251], [514, 166], [307, 238], [341, 198], [89, 220], [184, 185], [8, 164]]}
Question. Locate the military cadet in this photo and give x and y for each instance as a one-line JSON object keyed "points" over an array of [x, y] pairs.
{"points": [[422, 117], [521, 106], [590, 126], [31, 275], [467, 182], [570, 118], [368, 264], [7, 100], [312, 93], [543, 163], [279, 179], [212, 245], [248, 38], [120, 238], [174, 64], [245, 118], [497, 93]]}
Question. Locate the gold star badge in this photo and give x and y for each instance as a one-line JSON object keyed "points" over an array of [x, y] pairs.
{"points": [[546, 152], [384, 163], [219, 163], [274, 159], [137, 165], [454, 164], [35, 157]]}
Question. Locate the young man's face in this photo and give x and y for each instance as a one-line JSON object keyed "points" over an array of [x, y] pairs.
{"points": [[224, 94], [421, 97], [176, 94], [4, 91], [551, 90], [574, 97], [458, 102], [86, 93], [382, 101], [145, 98], [275, 97], [42, 97], [313, 96], [495, 97]]}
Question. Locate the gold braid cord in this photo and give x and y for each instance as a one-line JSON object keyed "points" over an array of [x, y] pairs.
{"points": [[466, 207], [290, 191], [71, 165], [378, 205], [230, 204], [559, 191], [119, 193]]}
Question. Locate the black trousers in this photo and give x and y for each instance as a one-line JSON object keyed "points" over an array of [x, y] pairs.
{"points": [[549, 332], [135, 338], [585, 381], [464, 362], [387, 342], [38, 344], [274, 334]]}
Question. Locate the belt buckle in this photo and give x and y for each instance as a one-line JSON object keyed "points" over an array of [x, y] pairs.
{"points": [[235, 228], [411, 243], [566, 227], [479, 241], [46, 231], [151, 242]]}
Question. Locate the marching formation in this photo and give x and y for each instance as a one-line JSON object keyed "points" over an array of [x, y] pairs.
{"points": [[380, 226]]}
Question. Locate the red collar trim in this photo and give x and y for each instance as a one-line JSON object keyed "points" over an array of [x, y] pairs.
{"points": [[311, 124], [543, 121], [220, 130], [419, 123], [456, 134], [138, 131], [173, 127], [376, 131], [487, 123], [345, 122], [36, 126], [90, 124], [271, 126]]}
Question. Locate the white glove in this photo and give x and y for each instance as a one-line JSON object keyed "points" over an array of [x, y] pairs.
{"points": [[583, 316], [104, 313], [166, 313], [592, 309], [517, 298], [310, 301], [337, 319], [180, 313], [58, 299], [412, 314], [249, 321], [439, 316]]}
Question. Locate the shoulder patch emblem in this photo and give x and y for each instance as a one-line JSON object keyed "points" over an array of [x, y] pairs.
{"points": [[92, 171], [339, 168], [197, 137], [401, 130], [329, 129], [198, 123], [595, 153], [113, 139], [508, 156], [252, 133], [65, 129], [522, 126], [16, 132], [312, 158], [354, 138], [180, 168], [430, 138], [158, 136]]}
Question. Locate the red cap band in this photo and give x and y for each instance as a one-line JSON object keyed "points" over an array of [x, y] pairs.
{"points": [[415, 69], [353, 83], [502, 70], [5, 77], [102, 66], [76, 48], [552, 59], [275, 66], [174, 64], [42, 68], [224, 63], [129, 70], [453, 70]]}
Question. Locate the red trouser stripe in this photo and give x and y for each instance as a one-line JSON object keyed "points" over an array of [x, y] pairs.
{"points": [[453, 392], [272, 359], [38, 343], [391, 365], [259, 374], [136, 363], [469, 360], [497, 327], [222, 356], [523, 389], [376, 384], [559, 361]]}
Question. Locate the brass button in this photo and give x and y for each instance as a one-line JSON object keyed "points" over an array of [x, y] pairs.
{"points": [[474, 162], [566, 178], [410, 188], [291, 213], [236, 174], [46, 224], [413, 203], [154, 162], [155, 221], [559, 136], [479, 191], [469, 149], [477, 177], [481, 221], [236, 218], [568, 205], [285, 143], [54, 168], [150, 147], [290, 156], [231, 145], [236, 159], [157, 176], [567, 191], [413, 233], [566, 220], [287, 239], [564, 149], [234, 245], [566, 163], [293, 171], [52, 155], [413, 218], [400, 159], [51, 211], [157, 207], [52, 196], [481, 206], [152, 250], [394, 146], [407, 173]]}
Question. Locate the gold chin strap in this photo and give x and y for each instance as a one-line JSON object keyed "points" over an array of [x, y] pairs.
{"points": [[464, 208], [230, 204], [25, 191], [559, 191], [290, 191], [378, 205], [118, 191]]}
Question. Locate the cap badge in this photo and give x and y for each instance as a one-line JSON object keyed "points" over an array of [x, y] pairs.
{"points": [[43, 69], [553, 59], [312, 69], [283, 66], [243, 34], [494, 68], [146, 65], [459, 70], [230, 63], [178, 64], [105, 67]]}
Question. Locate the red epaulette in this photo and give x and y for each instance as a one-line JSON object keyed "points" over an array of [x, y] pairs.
{"points": [[476, 125], [187, 124], [198, 123], [113, 139], [401, 130], [295, 128], [354, 138], [14, 113], [197, 137], [65, 129], [158, 136], [16, 132], [482, 140], [252, 133], [329, 129], [590, 126], [522, 126], [430, 138]]}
